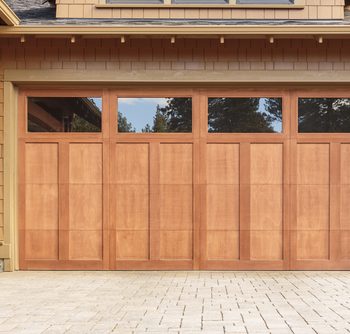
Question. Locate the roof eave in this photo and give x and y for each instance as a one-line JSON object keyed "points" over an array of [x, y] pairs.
{"points": [[171, 30], [7, 15]]}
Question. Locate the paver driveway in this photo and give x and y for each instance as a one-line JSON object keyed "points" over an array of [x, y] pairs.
{"points": [[176, 302]]}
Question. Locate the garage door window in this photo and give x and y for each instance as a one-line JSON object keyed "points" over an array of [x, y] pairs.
{"points": [[154, 115], [324, 115], [245, 115], [64, 114]]}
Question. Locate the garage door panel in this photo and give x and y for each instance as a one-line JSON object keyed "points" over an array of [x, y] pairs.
{"points": [[41, 163], [266, 163], [85, 245], [131, 163], [132, 207], [222, 245], [222, 164], [313, 245], [313, 163], [345, 245], [344, 164], [266, 245], [223, 207], [132, 245], [175, 163], [85, 163], [41, 207], [176, 245], [313, 207], [85, 207], [175, 206], [345, 207], [41, 245], [266, 207]]}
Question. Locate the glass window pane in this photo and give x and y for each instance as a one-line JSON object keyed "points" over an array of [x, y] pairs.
{"points": [[324, 114], [64, 114], [171, 114], [245, 114]]}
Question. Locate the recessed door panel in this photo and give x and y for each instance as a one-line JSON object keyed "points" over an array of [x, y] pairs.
{"points": [[41, 214], [313, 202]]}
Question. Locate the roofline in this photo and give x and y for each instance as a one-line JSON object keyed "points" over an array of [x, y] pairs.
{"points": [[177, 30], [7, 15]]}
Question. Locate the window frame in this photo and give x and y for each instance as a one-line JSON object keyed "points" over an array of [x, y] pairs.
{"points": [[313, 93], [156, 92], [249, 136], [242, 97], [51, 92], [150, 97]]}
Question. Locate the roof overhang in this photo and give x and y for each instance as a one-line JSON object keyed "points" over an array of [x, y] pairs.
{"points": [[7, 15], [233, 31]]}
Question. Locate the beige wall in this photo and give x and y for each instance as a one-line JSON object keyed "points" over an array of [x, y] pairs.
{"points": [[1, 156], [108, 57], [313, 10]]}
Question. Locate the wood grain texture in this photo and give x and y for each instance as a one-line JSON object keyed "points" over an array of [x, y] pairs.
{"points": [[41, 164], [313, 164], [176, 163], [41, 207], [85, 163], [266, 162], [132, 245], [222, 245], [222, 207], [85, 245], [131, 164], [132, 207], [41, 245], [176, 207], [223, 164], [176, 245]]}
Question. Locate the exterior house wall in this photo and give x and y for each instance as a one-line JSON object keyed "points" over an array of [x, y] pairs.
{"points": [[202, 55], [312, 10], [1, 157]]}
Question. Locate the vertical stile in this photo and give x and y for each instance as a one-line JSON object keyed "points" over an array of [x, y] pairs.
{"points": [[63, 202], [196, 179], [244, 204], [105, 177], [334, 228], [154, 199]]}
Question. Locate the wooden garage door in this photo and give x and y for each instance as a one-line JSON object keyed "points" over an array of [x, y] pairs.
{"points": [[245, 168], [320, 180], [184, 179]]}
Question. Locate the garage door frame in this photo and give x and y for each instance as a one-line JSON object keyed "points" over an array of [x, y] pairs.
{"points": [[308, 264]]}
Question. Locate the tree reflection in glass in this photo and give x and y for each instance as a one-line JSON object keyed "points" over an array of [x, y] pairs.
{"points": [[245, 115], [155, 115], [324, 115]]}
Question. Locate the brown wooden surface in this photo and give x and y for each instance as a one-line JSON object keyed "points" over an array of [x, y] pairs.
{"points": [[198, 200]]}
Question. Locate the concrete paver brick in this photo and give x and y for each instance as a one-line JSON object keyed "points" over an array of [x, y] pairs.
{"points": [[175, 302]]}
